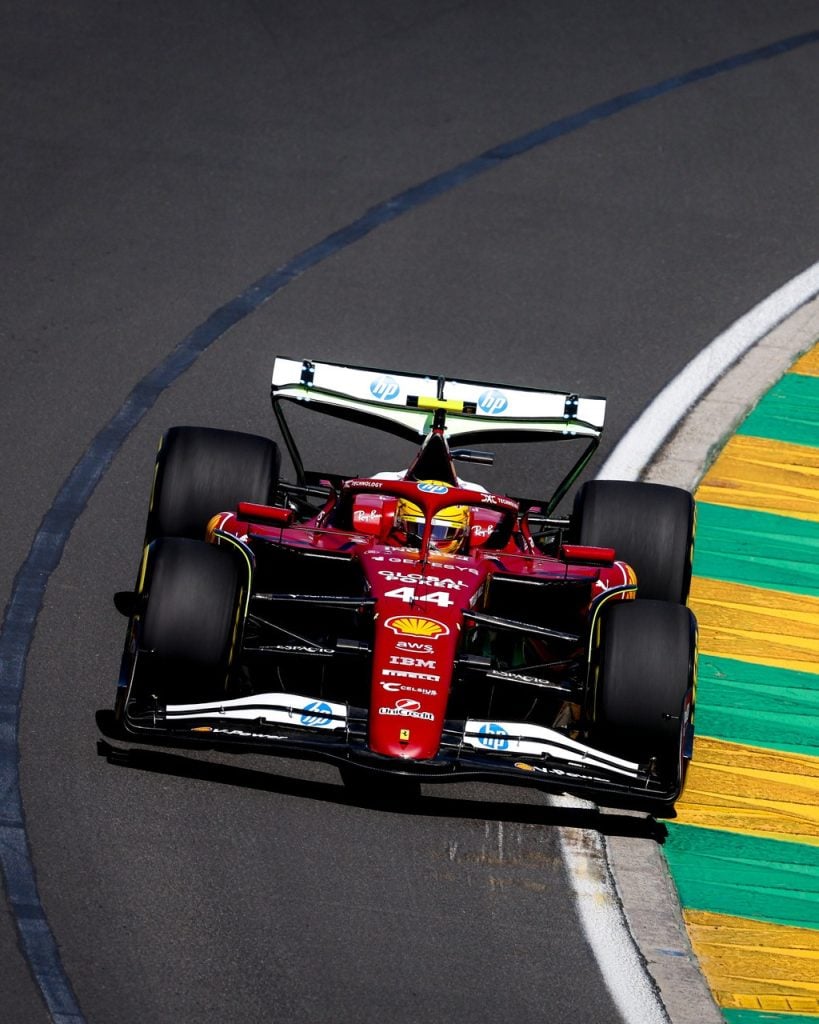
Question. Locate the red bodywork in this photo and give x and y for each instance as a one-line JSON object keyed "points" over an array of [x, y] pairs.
{"points": [[421, 596]]}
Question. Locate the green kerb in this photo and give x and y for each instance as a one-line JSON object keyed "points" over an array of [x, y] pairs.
{"points": [[757, 549], [744, 876], [758, 705], [788, 412], [765, 1017]]}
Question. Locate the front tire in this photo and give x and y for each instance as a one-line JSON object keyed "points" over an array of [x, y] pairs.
{"points": [[645, 685], [191, 625], [201, 471]]}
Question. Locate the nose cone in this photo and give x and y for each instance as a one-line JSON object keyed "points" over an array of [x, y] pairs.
{"points": [[412, 671], [417, 632]]}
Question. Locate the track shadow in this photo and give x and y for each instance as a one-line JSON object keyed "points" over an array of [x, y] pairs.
{"points": [[385, 797]]}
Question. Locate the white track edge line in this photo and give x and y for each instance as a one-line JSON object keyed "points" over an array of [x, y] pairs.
{"points": [[633, 990]]}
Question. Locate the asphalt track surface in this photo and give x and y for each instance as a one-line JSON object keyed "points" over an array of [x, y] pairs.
{"points": [[158, 160]]}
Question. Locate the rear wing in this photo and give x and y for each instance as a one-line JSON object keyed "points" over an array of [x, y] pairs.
{"points": [[474, 411], [410, 405]]}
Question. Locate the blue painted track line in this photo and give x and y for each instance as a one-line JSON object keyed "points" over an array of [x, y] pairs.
{"points": [[29, 586]]}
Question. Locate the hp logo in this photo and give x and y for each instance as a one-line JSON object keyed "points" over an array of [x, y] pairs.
{"points": [[317, 713], [493, 402], [493, 736], [385, 388]]}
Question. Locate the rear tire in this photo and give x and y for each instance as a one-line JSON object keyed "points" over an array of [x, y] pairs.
{"points": [[650, 526], [201, 471], [191, 626], [645, 686]]}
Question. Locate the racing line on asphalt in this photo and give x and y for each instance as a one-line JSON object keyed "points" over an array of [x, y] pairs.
{"points": [[28, 591]]}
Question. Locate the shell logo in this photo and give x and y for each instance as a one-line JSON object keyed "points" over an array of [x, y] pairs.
{"points": [[414, 625]]}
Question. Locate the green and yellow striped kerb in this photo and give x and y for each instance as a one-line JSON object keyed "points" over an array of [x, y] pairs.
{"points": [[744, 847]]}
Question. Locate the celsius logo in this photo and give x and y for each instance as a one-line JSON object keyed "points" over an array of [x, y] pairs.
{"points": [[433, 488], [493, 402], [385, 388], [403, 688], [493, 736], [316, 713]]}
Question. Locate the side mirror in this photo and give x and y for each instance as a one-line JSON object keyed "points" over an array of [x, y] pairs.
{"points": [[472, 455]]}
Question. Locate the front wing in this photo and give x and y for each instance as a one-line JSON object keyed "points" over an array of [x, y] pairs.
{"points": [[287, 724]]}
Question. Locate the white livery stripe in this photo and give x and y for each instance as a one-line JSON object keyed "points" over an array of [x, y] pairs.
{"points": [[538, 741], [281, 708]]}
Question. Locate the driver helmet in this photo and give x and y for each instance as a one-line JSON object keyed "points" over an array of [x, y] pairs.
{"points": [[450, 525]]}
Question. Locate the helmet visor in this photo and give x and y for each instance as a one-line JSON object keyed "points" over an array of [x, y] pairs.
{"points": [[446, 535]]}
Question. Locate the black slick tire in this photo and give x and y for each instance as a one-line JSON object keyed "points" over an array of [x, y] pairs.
{"points": [[191, 625], [650, 526], [201, 471], [645, 684]]}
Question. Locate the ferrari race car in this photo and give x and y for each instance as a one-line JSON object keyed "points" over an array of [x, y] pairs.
{"points": [[411, 624]]}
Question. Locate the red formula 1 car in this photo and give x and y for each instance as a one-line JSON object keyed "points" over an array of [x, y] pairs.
{"points": [[411, 624]]}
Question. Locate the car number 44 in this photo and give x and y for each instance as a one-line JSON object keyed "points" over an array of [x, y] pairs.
{"points": [[410, 596]]}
